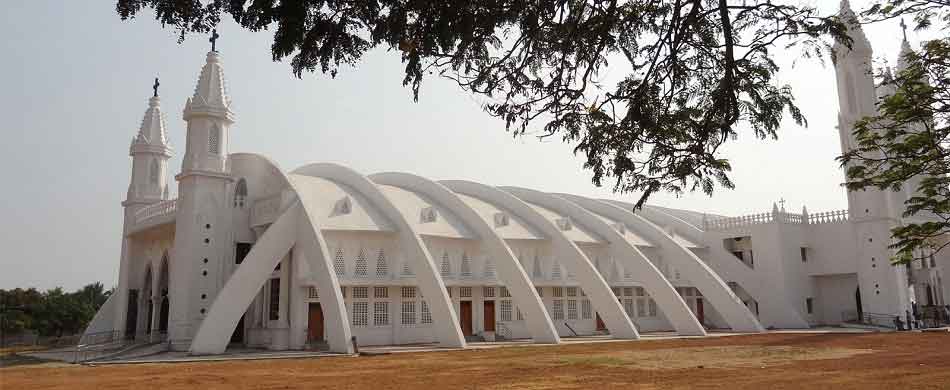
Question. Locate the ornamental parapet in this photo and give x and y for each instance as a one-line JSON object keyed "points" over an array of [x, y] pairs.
{"points": [[805, 218]]}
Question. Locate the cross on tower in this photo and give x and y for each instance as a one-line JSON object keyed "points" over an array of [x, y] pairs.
{"points": [[904, 27], [782, 202], [155, 88], [214, 37]]}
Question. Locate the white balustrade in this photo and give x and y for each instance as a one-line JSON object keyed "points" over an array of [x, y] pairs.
{"points": [[163, 208], [727, 223]]}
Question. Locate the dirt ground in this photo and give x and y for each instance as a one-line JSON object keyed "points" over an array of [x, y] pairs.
{"points": [[770, 361]]}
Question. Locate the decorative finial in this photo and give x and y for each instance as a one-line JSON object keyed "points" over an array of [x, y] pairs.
{"points": [[214, 37], [904, 27], [155, 88]]}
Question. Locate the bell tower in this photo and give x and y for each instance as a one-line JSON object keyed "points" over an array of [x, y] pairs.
{"points": [[202, 230], [882, 287]]}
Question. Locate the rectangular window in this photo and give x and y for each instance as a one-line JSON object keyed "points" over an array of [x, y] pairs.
{"points": [[557, 292], [312, 293], [360, 292], [504, 292], [360, 314], [652, 308], [381, 313], [804, 255], [628, 306], [571, 309], [558, 310], [381, 292], [585, 309], [808, 305], [628, 291], [465, 292], [274, 312], [408, 292], [426, 314], [572, 291], [641, 292], [520, 316], [505, 310], [488, 292], [241, 249], [409, 313], [641, 307]]}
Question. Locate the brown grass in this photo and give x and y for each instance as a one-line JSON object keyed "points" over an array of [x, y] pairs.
{"points": [[772, 362]]}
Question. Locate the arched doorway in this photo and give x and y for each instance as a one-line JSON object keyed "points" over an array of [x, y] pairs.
{"points": [[163, 296], [147, 301]]}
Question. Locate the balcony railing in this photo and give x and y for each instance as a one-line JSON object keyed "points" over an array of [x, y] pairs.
{"points": [[160, 209], [728, 223]]}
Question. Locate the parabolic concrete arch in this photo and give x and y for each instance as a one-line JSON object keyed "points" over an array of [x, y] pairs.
{"points": [[447, 329], [773, 304], [510, 272], [294, 226], [713, 288], [601, 296], [665, 295]]}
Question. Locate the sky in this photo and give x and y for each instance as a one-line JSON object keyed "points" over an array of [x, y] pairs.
{"points": [[75, 81]]}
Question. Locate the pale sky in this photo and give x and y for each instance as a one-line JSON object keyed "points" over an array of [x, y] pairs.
{"points": [[75, 81]]}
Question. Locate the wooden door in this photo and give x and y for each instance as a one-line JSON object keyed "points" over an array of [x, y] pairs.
{"points": [[465, 317], [315, 323], [489, 316], [700, 314], [600, 323]]}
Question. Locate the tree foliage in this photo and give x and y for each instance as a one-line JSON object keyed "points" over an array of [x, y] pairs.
{"points": [[52, 312], [693, 71], [905, 146]]}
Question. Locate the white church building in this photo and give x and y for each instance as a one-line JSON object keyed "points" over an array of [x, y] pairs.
{"points": [[325, 257]]}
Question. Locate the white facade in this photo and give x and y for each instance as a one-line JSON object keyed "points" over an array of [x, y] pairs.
{"points": [[324, 256]]}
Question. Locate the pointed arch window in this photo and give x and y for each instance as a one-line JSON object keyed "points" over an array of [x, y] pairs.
{"points": [[240, 193], [153, 172], [214, 140]]}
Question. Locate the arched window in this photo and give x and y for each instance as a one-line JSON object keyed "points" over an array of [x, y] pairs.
{"points": [[214, 140], [240, 193], [153, 172]]}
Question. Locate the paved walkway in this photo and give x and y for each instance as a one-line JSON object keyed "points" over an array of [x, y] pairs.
{"points": [[260, 354]]}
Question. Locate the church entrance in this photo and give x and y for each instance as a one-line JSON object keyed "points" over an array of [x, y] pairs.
{"points": [[489, 316], [465, 317], [600, 323], [700, 312], [315, 323], [131, 314], [237, 337]]}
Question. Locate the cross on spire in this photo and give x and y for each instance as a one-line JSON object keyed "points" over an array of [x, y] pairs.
{"points": [[214, 37], [155, 88], [782, 202], [904, 28]]}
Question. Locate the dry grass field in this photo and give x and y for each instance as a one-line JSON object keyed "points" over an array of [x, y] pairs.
{"points": [[770, 361]]}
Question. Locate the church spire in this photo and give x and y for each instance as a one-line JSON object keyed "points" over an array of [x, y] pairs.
{"points": [[211, 93], [152, 132], [859, 41]]}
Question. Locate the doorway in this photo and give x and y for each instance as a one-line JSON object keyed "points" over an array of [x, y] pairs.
{"points": [[600, 323], [857, 303], [315, 323], [131, 314], [465, 317], [700, 313], [237, 336], [489, 316]]}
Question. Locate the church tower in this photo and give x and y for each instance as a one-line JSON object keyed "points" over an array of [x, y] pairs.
{"points": [[148, 185], [203, 226], [882, 287]]}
